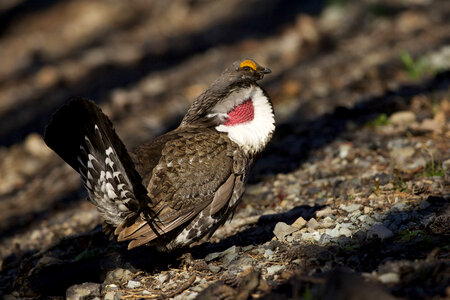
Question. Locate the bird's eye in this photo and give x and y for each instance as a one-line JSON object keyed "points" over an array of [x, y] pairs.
{"points": [[246, 69]]}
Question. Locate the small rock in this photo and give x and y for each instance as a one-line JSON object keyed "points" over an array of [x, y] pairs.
{"points": [[325, 239], [312, 224], [299, 223], [311, 236], [227, 259], [118, 276], [401, 154], [247, 248], [215, 255], [399, 206], [113, 295], [282, 230], [214, 269], [360, 235], [132, 284], [275, 269], [324, 212], [350, 208], [446, 165], [335, 232], [345, 231], [162, 278], [431, 125], [389, 278], [380, 231], [83, 291], [366, 219], [212, 256], [268, 253], [402, 118], [367, 209], [344, 150]]}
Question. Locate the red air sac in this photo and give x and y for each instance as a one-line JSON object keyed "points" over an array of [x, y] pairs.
{"points": [[244, 112]]}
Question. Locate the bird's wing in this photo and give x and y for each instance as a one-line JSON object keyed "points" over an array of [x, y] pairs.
{"points": [[194, 172]]}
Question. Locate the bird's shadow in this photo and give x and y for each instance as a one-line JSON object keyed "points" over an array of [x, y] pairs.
{"points": [[89, 256]]}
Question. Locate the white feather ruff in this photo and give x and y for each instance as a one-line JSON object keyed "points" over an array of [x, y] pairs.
{"points": [[252, 136]]}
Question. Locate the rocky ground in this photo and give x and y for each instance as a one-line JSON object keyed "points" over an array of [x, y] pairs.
{"points": [[349, 201]]}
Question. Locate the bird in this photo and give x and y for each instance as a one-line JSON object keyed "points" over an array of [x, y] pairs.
{"points": [[180, 187]]}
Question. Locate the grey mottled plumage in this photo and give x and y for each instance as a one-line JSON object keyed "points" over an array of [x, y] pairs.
{"points": [[184, 184]]}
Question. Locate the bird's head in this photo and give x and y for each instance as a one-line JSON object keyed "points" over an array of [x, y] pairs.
{"points": [[236, 104]]}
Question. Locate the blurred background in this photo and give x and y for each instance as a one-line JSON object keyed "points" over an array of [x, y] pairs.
{"points": [[336, 64]]}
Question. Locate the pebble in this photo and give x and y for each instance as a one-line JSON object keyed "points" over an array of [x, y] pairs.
{"points": [[227, 259], [83, 291], [132, 284], [334, 232], [360, 235], [345, 231], [311, 236], [282, 230], [113, 295], [312, 224], [350, 208], [162, 278], [268, 253], [299, 223], [118, 276], [380, 231], [325, 239], [214, 269], [275, 269], [446, 165], [215, 255], [402, 118], [389, 278], [324, 212], [399, 206]]}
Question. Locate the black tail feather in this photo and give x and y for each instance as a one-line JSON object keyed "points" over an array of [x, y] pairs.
{"points": [[82, 135]]}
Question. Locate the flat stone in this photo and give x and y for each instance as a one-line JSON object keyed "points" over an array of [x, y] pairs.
{"points": [[345, 231], [215, 255], [380, 231], [212, 256], [299, 223], [334, 232], [82, 291], [402, 118], [132, 284], [113, 295], [324, 212], [272, 270], [118, 276], [214, 269], [282, 230], [162, 278], [389, 278], [350, 208], [366, 219], [268, 253], [227, 259], [312, 224], [325, 239]]}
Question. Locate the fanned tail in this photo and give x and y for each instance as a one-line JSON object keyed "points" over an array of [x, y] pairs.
{"points": [[82, 135]]}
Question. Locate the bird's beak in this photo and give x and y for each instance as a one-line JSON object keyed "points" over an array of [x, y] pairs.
{"points": [[266, 71]]}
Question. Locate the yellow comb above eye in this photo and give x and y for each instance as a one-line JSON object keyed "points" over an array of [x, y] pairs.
{"points": [[248, 63]]}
